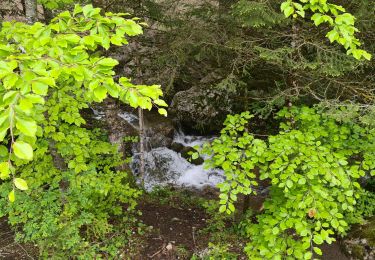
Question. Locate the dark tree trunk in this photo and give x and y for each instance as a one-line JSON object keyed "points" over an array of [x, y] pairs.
{"points": [[246, 204], [48, 15]]}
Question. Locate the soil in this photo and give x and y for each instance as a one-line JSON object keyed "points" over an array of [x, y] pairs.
{"points": [[11, 250], [174, 231], [174, 234]]}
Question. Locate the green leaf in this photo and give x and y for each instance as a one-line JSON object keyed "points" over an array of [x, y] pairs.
{"points": [[132, 98], [26, 105], [231, 207], [160, 102], [288, 11], [4, 170], [11, 196], [317, 250], [162, 112], [335, 223], [194, 156], [100, 92], [333, 35], [3, 151], [307, 255], [23, 150], [275, 230], [10, 80], [46, 80], [39, 88], [87, 9], [132, 28], [318, 18], [20, 184], [318, 239], [26, 126], [108, 62], [367, 55], [35, 99], [3, 134]]}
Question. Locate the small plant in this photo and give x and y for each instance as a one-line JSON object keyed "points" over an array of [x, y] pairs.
{"points": [[182, 252], [214, 252]]}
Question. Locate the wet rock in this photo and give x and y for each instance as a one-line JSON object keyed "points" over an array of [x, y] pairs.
{"points": [[159, 130], [186, 153], [177, 147], [360, 242]]}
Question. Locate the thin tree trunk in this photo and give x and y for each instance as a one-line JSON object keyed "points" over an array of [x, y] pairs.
{"points": [[141, 147], [31, 11]]}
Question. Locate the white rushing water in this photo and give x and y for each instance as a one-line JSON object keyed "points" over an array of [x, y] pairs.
{"points": [[164, 166]]}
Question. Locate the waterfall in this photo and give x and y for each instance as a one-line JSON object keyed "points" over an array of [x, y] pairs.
{"points": [[164, 166]]}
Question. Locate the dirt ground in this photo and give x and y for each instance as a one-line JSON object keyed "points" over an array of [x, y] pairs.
{"points": [[11, 250], [174, 235], [174, 231]]}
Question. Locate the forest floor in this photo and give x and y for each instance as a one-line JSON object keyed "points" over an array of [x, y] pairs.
{"points": [[179, 226]]}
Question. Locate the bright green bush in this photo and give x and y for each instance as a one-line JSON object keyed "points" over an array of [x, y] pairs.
{"points": [[313, 164], [62, 179]]}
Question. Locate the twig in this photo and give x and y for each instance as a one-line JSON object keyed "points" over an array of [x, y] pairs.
{"points": [[195, 246], [162, 248]]}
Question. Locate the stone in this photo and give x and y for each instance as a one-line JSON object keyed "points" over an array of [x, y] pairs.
{"points": [[177, 147], [185, 153], [169, 247], [159, 130], [201, 110], [360, 241]]}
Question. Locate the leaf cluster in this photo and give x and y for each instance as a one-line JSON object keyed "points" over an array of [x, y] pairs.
{"points": [[313, 164], [64, 181]]}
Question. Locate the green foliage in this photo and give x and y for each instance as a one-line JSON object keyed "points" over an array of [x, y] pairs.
{"points": [[313, 164], [54, 4], [256, 14], [342, 23], [216, 252], [365, 208], [65, 180]]}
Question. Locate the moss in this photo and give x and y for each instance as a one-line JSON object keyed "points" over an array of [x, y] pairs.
{"points": [[368, 232], [358, 252]]}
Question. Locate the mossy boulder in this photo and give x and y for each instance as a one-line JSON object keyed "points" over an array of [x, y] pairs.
{"points": [[200, 109], [186, 153], [360, 242]]}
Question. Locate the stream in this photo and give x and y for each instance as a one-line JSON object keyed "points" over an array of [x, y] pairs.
{"points": [[165, 165]]}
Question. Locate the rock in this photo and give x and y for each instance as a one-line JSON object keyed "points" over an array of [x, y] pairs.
{"points": [[169, 247], [185, 153], [159, 130], [177, 147], [360, 241], [200, 109]]}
